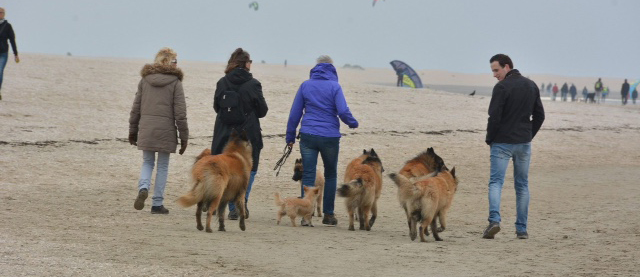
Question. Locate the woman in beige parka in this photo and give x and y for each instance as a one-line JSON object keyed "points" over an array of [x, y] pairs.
{"points": [[158, 113]]}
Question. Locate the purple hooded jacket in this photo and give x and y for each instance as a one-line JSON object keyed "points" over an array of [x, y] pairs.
{"points": [[319, 102]]}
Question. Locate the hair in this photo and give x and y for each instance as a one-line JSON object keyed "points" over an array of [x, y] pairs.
{"points": [[165, 56], [324, 59], [502, 59], [239, 58]]}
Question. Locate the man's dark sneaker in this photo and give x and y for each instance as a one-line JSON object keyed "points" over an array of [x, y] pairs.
{"points": [[159, 210], [329, 219], [491, 231], [142, 195], [233, 215], [522, 235]]}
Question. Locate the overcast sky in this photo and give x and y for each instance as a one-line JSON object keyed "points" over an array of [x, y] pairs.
{"points": [[563, 37]]}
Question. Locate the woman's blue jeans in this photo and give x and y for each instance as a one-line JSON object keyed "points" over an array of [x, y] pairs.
{"points": [[252, 177], [3, 62], [501, 153], [328, 147], [148, 161]]}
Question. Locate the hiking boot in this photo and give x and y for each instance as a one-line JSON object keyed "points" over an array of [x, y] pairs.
{"points": [[142, 195], [491, 231], [159, 210], [522, 235], [233, 215], [329, 219]]}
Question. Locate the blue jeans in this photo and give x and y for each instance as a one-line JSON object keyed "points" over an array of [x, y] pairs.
{"points": [[252, 177], [501, 153], [3, 62], [328, 147], [148, 161]]}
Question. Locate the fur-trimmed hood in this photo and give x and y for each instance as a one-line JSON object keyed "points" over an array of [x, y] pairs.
{"points": [[161, 75]]}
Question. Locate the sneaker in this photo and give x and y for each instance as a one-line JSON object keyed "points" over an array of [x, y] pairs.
{"points": [[491, 231], [233, 215], [522, 235], [159, 210], [329, 219], [142, 195]]}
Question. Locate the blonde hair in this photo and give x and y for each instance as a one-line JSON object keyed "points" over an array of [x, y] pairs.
{"points": [[324, 59], [165, 56]]}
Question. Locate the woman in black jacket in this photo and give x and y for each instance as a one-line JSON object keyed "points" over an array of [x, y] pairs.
{"points": [[238, 79]]}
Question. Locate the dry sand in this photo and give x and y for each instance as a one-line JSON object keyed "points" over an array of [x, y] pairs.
{"points": [[68, 180]]}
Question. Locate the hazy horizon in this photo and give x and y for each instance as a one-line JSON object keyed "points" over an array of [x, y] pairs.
{"points": [[568, 38]]}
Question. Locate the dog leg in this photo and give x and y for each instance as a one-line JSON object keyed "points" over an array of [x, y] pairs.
{"points": [[361, 218], [374, 213], [367, 221], [221, 213], [199, 216], [412, 228], [351, 227], [424, 229], [309, 217], [242, 212], [293, 220], [434, 230], [281, 212], [442, 217], [319, 205]]}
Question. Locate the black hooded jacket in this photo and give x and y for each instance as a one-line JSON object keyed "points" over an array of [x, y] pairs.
{"points": [[7, 33], [513, 102], [255, 106]]}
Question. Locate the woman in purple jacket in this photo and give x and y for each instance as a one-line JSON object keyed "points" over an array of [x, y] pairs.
{"points": [[319, 103]]}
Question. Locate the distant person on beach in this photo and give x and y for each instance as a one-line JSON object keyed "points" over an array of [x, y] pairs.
{"points": [[624, 92], [634, 95], [158, 109], [573, 91], [555, 92], [238, 79], [285, 63], [6, 33], [515, 99], [549, 89], [598, 87], [400, 79], [585, 94], [542, 87], [564, 91], [605, 93], [320, 103]]}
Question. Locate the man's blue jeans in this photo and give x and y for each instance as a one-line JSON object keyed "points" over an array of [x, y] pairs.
{"points": [[3, 62], [328, 147], [501, 153]]}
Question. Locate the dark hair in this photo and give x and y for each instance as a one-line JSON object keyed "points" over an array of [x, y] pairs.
{"points": [[502, 59], [239, 58]]}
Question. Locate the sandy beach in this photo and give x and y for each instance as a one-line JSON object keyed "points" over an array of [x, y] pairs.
{"points": [[68, 179]]}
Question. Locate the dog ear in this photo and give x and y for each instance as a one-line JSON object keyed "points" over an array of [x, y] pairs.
{"points": [[453, 172], [234, 133], [373, 153], [364, 151], [244, 136], [430, 150], [298, 160]]}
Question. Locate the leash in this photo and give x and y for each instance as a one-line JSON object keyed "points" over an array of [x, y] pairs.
{"points": [[285, 154]]}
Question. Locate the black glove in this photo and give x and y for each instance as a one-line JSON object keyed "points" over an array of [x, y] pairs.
{"points": [[183, 146], [133, 139]]}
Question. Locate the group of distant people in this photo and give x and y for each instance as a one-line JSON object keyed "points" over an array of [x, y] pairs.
{"points": [[598, 95]]}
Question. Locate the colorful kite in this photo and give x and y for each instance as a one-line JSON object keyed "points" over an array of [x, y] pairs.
{"points": [[254, 5], [409, 76]]}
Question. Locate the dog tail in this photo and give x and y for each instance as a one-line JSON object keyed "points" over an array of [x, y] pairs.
{"points": [[278, 201], [399, 179], [199, 192]]}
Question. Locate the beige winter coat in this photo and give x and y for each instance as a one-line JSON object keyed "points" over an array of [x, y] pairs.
{"points": [[158, 108]]}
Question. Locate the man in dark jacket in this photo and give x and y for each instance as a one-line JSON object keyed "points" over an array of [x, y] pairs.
{"points": [[624, 92], [6, 33], [564, 91], [515, 99], [573, 91]]}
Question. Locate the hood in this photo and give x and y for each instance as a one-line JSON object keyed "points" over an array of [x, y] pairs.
{"points": [[239, 76], [160, 75], [324, 71]]}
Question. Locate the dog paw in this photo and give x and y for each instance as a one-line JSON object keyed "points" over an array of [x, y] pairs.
{"points": [[413, 236], [209, 230], [200, 227], [368, 228], [221, 229], [440, 229], [311, 225], [351, 228]]}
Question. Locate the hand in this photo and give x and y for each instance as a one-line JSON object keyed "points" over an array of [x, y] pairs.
{"points": [[290, 144], [17, 59], [133, 139], [183, 146]]}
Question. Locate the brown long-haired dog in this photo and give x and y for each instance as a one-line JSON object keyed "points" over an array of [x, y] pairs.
{"points": [[426, 199], [219, 179], [294, 206], [297, 176], [423, 164], [363, 189]]}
